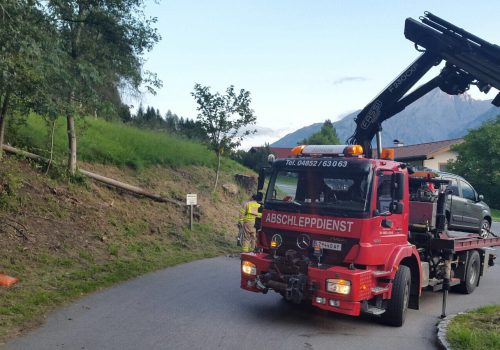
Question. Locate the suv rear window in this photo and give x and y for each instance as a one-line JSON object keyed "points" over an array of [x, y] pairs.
{"points": [[467, 191]]}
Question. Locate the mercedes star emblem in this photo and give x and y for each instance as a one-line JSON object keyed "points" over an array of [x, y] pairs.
{"points": [[303, 241]]}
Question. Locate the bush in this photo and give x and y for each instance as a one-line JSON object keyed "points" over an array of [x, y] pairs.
{"points": [[479, 160]]}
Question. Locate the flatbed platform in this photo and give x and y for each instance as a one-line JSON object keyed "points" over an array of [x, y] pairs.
{"points": [[463, 243], [468, 243]]}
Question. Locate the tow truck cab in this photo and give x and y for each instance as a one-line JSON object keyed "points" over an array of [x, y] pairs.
{"points": [[334, 230]]}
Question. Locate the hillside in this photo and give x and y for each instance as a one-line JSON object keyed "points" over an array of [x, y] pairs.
{"points": [[65, 237], [437, 116]]}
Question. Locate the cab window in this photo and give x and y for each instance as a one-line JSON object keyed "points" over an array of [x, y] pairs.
{"points": [[285, 185], [384, 195]]}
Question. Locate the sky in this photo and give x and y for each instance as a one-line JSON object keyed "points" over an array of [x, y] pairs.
{"points": [[302, 61]]}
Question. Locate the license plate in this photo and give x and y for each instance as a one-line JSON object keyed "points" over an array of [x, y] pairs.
{"points": [[328, 245]]}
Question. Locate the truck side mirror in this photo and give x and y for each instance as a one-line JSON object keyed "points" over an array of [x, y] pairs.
{"points": [[262, 178], [398, 183]]}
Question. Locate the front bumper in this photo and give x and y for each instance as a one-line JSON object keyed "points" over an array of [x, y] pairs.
{"points": [[361, 284]]}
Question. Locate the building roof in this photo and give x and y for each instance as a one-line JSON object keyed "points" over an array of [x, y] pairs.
{"points": [[279, 152], [423, 150]]}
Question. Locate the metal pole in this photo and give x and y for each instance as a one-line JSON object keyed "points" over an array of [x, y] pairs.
{"points": [[443, 308], [379, 143], [446, 282], [191, 218]]}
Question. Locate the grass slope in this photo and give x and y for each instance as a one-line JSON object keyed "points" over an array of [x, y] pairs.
{"points": [[114, 143], [64, 239]]}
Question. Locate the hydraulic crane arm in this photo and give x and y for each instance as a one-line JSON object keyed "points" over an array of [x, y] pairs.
{"points": [[469, 60]]}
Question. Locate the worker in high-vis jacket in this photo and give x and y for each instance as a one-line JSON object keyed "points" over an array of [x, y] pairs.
{"points": [[248, 213]]}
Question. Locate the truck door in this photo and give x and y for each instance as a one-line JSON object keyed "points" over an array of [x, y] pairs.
{"points": [[389, 223], [472, 213]]}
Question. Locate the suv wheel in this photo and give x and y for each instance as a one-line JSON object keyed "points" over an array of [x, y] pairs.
{"points": [[484, 231]]}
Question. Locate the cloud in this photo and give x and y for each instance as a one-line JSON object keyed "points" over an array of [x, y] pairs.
{"points": [[263, 135], [348, 80], [265, 131]]}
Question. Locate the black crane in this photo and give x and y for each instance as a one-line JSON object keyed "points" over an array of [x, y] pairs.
{"points": [[469, 59]]}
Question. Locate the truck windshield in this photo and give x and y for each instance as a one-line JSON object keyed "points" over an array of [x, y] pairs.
{"points": [[337, 189]]}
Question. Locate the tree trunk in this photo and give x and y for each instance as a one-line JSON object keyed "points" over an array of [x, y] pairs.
{"points": [[72, 144], [3, 113], [218, 170], [75, 53]]}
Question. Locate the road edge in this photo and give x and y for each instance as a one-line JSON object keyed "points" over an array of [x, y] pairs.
{"points": [[442, 331]]}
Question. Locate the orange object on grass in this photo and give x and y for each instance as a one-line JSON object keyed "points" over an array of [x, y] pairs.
{"points": [[7, 281]]}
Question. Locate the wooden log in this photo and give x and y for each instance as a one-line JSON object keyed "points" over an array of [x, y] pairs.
{"points": [[100, 178], [26, 154], [130, 188]]}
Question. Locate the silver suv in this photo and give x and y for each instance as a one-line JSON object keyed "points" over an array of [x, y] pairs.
{"points": [[466, 210]]}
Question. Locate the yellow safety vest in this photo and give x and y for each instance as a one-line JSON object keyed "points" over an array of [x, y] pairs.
{"points": [[250, 211]]}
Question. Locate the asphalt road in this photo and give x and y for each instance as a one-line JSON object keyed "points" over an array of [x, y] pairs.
{"points": [[200, 306]]}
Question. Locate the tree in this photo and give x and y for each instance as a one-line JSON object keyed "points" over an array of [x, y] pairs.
{"points": [[102, 43], [479, 160], [255, 158], [326, 136], [25, 52], [223, 118], [192, 129], [172, 121]]}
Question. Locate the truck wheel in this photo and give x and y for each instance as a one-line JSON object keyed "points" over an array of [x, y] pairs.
{"points": [[397, 306], [484, 231], [471, 275]]}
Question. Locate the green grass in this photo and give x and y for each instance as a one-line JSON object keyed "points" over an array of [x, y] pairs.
{"points": [[476, 330], [495, 213], [114, 143], [53, 280]]}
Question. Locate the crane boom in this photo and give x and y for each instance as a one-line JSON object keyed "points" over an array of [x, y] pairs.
{"points": [[469, 60]]}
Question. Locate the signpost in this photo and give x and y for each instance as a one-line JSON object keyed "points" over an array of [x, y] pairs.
{"points": [[191, 200]]}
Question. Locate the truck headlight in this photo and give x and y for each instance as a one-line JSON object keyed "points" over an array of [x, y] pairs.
{"points": [[339, 286], [248, 268]]}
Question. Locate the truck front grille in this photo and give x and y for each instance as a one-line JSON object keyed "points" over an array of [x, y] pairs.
{"points": [[329, 257]]}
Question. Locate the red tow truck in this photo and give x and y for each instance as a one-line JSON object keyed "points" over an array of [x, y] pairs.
{"points": [[346, 231]]}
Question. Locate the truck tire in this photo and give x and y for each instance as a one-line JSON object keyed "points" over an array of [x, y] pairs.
{"points": [[397, 306], [471, 274], [484, 229]]}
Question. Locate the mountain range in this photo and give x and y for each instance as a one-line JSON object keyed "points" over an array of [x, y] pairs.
{"points": [[437, 116]]}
